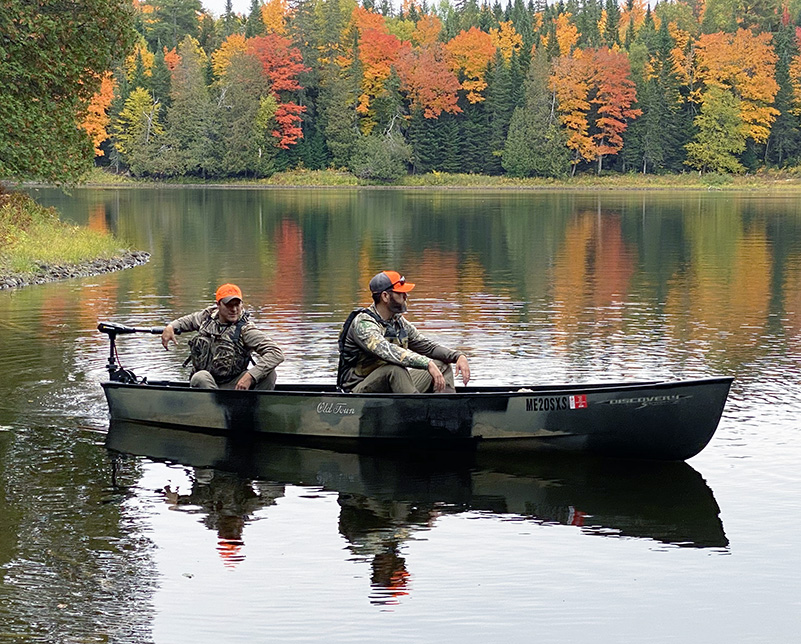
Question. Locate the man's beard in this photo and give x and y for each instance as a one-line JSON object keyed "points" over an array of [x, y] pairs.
{"points": [[396, 306]]}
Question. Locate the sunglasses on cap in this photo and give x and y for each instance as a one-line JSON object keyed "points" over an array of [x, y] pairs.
{"points": [[400, 282]]}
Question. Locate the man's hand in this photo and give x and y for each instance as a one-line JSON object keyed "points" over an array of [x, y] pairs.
{"points": [[167, 336], [463, 368], [245, 381], [436, 375]]}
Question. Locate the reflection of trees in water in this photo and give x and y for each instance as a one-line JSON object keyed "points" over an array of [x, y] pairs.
{"points": [[375, 531], [229, 502]]}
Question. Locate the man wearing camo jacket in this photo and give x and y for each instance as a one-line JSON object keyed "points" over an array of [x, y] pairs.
{"points": [[381, 351]]}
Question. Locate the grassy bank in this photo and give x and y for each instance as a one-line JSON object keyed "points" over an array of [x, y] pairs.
{"points": [[33, 239], [785, 181]]}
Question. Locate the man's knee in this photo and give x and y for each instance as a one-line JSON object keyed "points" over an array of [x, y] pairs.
{"points": [[399, 379], [203, 380], [268, 382]]}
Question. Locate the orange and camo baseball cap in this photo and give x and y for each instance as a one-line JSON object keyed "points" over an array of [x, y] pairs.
{"points": [[228, 292], [390, 281]]}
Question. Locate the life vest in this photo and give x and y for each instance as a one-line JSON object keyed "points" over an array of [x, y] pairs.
{"points": [[350, 356], [223, 355]]}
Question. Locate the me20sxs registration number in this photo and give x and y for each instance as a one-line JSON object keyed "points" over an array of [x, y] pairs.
{"points": [[556, 403]]}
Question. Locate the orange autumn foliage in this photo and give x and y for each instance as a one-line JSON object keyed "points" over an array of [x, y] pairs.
{"points": [[97, 119], [427, 78], [172, 58], [221, 59], [567, 35], [507, 40], [282, 63], [570, 82], [599, 78], [427, 31], [744, 64], [615, 94], [274, 14], [471, 51]]}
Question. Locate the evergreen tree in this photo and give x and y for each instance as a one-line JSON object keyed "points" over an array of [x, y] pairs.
{"points": [[381, 157], [784, 142], [452, 148], [192, 139], [138, 77], [246, 113], [471, 153], [470, 14], [521, 19], [207, 36], [611, 35], [338, 119], [172, 21], [254, 25], [422, 136], [536, 144], [229, 21], [587, 18], [161, 80], [501, 100]]}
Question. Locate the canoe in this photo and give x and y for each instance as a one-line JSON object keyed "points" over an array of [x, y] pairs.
{"points": [[672, 420], [664, 420], [668, 502]]}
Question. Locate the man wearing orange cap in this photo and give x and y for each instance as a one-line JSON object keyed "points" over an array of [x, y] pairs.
{"points": [[227, 341], [381, 351]]}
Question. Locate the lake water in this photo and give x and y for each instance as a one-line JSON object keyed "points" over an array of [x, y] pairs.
{"points": [[147, 543]]}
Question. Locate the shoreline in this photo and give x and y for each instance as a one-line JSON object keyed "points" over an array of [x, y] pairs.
{"points": [[60, 272], [776, 182]]}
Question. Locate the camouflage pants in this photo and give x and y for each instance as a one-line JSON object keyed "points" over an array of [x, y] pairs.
{"points": [[204, 380], [392, 378]]}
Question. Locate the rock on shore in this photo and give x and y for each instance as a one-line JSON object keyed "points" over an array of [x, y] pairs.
{"points": [[48, 273]]}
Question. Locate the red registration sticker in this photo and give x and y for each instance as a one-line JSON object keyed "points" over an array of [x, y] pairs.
{"points": [[578, 402]]}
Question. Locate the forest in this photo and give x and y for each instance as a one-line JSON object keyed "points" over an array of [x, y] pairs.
{"points": [[525, 89]]}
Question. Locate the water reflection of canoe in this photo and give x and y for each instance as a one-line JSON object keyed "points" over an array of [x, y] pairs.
{"points": [[671, 420], [668, 502]]}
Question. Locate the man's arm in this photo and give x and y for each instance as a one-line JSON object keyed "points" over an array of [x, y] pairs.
{"points": [[189, 322], [427, 347], [369, 336], [265, 351]]}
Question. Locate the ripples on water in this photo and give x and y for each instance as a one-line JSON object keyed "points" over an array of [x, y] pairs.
{"points": [[175, 547]]}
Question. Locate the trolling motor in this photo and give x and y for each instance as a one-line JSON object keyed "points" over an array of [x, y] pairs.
{"points": [[115, 372]]}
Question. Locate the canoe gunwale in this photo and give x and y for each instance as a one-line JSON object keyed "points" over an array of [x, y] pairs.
{"points": [[320, 389]]}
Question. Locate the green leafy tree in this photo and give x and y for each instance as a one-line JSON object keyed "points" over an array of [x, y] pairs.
{"points": [[721, 134], [137, 131], [381, 157], [52, 57]]}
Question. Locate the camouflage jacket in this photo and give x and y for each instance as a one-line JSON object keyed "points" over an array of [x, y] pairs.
{"points": [[266, 354], [394, 341]]}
